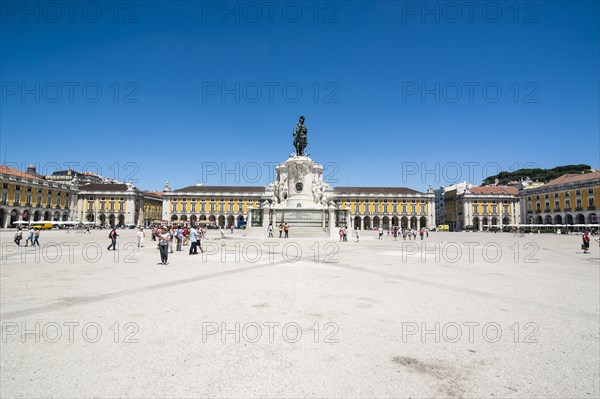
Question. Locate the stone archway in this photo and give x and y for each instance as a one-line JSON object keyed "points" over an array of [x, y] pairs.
{"points": [[2, 217], [476, 222], [580, 219], [367, 223], [357, 222], [593, 218], [548, 219], [36, 216], [395, 221], [111, 220], [413, 222], [89, 217], [221, 220], [230, 221], [404, 222], [569, 219], [56, 217], [505, 221], [65, 217], [173, 218], [386, 223], [539, 220], [212, 218], [47, 216], [121, 220], [14, 216], [558, 219], [423, 222], [376, 221], [102, 219], [202, 218]]}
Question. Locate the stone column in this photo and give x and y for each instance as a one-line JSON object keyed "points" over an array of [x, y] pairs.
{"points": [[332, 228], [166, 208], [465, 218], [129, 209]]}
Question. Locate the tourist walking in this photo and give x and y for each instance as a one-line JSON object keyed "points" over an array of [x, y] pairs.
{"points": [[113, 239], [286, 230], [280, 229], [193, 241], [201, 236], [357, 235], [18, 236], [345, 233], [341, 233], [421, 234], [179, 236], [270, 230], [140, 237], [171, 237], [164, 239], [586, 242], [380, 232], [36, 237], [30, 237]]}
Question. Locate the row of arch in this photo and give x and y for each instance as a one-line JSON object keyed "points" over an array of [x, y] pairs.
{"points": [[220, 220], [404, 222], [107, 219], [8, 218], [568, 219], [477, 222]]}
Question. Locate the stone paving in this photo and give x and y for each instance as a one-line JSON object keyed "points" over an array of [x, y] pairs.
{"points": [[455, 315]]}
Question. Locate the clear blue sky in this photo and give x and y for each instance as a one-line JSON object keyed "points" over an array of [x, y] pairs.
{"points": [[369, 73]]}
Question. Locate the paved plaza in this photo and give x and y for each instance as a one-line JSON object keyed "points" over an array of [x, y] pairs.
{"points": [[455, 315]]}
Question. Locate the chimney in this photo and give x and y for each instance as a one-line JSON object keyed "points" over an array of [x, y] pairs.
{"points": [[31, 170]]}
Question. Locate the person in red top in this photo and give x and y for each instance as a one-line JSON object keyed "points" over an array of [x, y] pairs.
{"points": [[586, 242]]}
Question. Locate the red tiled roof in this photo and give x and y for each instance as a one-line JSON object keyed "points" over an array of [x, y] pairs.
{"points": [[495, 190], [573, 178], [6, 170]]}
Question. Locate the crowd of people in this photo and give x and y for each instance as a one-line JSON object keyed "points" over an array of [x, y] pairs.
{"points": [[32, 237], [395, 232], [177, 236]]}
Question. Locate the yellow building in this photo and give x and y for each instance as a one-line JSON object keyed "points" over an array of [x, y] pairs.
{"points": [[373, 207], [27, 196], [223, 205], [110, 204], [482, 208], [362, 207], [570, 199]]}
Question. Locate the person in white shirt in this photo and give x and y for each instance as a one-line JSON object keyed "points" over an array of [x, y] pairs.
{"points": [[164, 238], [193, 241], [140, 237]]}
